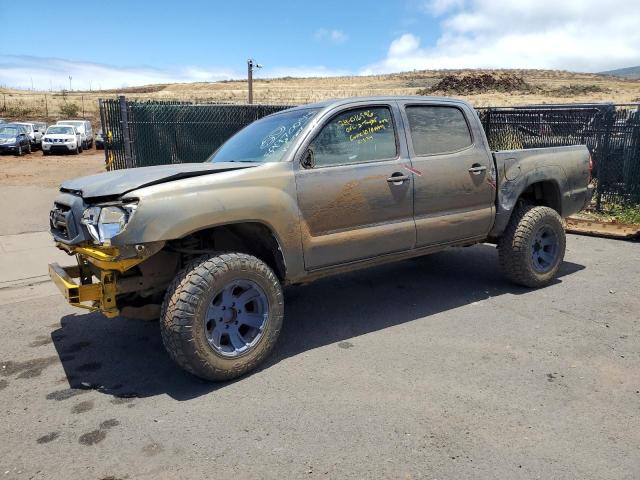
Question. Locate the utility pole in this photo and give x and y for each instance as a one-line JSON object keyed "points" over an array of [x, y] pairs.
{"points": [[70, 89], [251, 64]]}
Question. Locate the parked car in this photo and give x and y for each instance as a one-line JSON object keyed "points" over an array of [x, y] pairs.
{"points": [[99, 139], [35, 135], [85, 129], [14, 138], [62, 139], [298, 195], [40, 127]]}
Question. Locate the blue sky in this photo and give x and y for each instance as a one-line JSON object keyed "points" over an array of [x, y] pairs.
{"points": [[122, 43]]}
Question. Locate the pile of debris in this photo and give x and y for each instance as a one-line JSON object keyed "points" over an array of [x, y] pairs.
{"points": [[478, 83]]}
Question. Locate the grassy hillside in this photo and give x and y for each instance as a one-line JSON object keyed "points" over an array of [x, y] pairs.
{"points": [[480, 87], [632, 73]]}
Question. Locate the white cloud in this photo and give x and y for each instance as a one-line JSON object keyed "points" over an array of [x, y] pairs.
{"points": [[333, 36], [581, 35], [45, 73]]}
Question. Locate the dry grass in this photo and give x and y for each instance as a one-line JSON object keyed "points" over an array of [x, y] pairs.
{"points": [[548, 86]]}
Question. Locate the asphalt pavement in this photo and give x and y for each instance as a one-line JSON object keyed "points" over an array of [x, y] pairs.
{"points": [[429, 368]]}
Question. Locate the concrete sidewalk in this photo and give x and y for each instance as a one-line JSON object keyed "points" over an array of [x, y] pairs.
{"points": [[23, 266]]}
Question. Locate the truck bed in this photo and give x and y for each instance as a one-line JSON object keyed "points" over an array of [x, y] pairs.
{"points": [[562, 173]]}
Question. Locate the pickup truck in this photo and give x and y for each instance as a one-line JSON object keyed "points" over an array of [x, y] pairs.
{"points": [[298, 195]]}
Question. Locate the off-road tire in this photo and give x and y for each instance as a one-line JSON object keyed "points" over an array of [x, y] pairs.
{"points": [[515, 245], [185, 305]]}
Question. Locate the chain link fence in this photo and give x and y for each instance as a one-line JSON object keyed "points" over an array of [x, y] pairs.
{"points": [[611, 132], [160, 133], [155, 133]]}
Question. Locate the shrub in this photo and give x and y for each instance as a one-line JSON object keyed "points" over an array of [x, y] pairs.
{"points": [[69, 110]]}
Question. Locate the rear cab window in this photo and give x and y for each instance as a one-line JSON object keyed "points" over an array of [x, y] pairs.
{"points": [[437, 130], [356, 136]]}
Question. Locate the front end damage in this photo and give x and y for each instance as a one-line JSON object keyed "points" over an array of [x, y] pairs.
{"points": [[102, 275]]}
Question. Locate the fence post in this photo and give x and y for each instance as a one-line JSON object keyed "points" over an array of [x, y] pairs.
{"points": [[124, 121], [604, 154]]}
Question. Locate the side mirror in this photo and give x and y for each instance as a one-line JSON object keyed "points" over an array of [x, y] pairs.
{"points": [[309, 160]]}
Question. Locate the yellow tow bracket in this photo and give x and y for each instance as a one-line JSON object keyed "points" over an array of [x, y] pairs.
{"points": [[100, 295], [105, 258], [76, 282]]}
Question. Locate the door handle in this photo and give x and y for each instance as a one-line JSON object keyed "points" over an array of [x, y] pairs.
{"points": [[397, 177], [476, 168]]}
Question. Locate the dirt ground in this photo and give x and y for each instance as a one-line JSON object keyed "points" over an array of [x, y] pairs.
{"points": [[30, 183], [37, 170]]}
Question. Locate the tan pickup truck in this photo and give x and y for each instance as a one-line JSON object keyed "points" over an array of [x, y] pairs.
{"points": [[298, 195]]}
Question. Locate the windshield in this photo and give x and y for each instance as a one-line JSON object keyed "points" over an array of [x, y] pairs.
{"points": [[7, 132], [265, 140], [78, 124], [60, 130]]}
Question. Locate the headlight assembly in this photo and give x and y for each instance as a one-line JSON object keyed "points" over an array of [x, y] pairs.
{"points": [[106, 222]]}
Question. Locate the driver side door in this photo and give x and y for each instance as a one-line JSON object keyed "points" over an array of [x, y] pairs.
{"points": [[355, 197]]}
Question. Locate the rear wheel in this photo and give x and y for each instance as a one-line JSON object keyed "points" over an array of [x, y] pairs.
{"points": [[532, 247], [222, 315]]}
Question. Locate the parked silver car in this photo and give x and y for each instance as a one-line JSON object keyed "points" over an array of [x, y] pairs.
{"points": [[35, 131]]}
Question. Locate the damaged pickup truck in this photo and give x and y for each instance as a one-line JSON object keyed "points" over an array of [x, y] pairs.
{"points": [[298, 195]]}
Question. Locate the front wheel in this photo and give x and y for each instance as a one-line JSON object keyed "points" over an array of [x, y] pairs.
{"points": [[532, 247], [222, 315]]}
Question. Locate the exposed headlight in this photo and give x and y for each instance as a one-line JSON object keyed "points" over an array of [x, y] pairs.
{"points": [[104, 223], [9, 140]]}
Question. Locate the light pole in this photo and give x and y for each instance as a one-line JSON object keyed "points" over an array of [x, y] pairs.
{"points": [[251, 64], [70, 89]]}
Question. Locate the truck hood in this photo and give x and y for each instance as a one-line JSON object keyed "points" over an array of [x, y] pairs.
{"points": [[119, 182], [61, 136]]}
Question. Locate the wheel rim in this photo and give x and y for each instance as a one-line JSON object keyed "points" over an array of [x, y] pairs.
{"points": [[236, 318], [544, 249]]}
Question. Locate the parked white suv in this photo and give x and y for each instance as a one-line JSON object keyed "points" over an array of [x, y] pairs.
{"points": [[62, 138], [34, 132], [85, 129]]}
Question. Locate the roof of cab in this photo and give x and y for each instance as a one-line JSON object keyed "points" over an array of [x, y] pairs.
{"points": [[337, 102]]}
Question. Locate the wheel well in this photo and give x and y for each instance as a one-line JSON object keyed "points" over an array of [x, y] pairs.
{"points": [[252, 238], [544, 193]]}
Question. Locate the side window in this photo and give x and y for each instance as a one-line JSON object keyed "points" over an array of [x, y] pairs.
{"points": [[356, 136], [436, 129]]}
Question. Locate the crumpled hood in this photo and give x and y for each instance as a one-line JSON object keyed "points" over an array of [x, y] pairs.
{"points": [[119, 182]]}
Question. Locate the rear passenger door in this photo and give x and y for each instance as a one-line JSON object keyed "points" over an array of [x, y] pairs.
{"points": [[356, 198], [453, 193]]}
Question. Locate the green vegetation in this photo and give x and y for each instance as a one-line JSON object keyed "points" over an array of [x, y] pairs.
{"points": [[618, 213], [69, 110]]}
